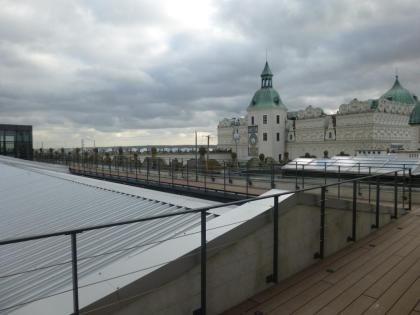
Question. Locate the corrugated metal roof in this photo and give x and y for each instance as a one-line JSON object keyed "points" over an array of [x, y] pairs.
{"points": [[34, 202]]}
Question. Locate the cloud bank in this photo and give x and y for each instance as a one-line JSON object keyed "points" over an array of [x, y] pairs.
{"points": [[132, 72]]}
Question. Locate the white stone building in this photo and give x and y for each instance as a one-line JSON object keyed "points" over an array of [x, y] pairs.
{"points": [[374, 126]]}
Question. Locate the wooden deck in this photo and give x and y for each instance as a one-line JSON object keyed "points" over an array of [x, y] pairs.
{"points": [[377, 275]]}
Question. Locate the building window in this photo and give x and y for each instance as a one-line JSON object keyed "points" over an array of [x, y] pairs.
{"points": [[278, 119], [265, 119], [252, 120], [264, 136], [278, 136], [291, 137], [330, 135]]}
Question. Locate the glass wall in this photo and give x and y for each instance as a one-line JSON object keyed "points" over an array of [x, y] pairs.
{"points": [[16, 140]]}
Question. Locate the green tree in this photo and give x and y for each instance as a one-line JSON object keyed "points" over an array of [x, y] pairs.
{"points": [[153, 151]]}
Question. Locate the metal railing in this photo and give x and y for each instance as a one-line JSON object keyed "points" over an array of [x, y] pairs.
{"points": [[227, 181], [378, 180]]}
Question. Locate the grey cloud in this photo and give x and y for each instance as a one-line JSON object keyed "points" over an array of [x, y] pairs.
{"points": [[81, 65]]}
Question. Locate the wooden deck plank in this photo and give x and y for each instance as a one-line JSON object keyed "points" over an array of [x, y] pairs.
{"points": [[351, 294], [408, 301], [361, 304], [349, 279], [417, 308], [242, 308], [377, 289], [356, 267], [276, 307], [391, 296]]}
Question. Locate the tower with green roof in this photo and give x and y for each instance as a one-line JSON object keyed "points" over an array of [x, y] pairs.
{"points": [[267, 117], [399, 94]]}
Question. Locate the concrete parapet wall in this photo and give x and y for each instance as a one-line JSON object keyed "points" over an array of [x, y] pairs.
{"points": [[240, 260]]}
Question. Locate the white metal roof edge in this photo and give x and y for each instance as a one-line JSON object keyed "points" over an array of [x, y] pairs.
{"points": [[156, 256]]}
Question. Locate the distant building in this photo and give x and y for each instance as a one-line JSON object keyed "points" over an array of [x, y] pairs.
{"points": [[16, 141], [374, 125]]}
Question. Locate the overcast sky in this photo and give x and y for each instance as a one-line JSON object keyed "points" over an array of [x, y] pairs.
{"points": [[126, 72]]}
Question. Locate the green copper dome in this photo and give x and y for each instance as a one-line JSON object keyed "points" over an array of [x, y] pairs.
{"points": [[415, 114], [399, 94], [266, 97]]}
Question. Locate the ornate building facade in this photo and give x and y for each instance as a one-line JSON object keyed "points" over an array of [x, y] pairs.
{"points": [[375, 126]]}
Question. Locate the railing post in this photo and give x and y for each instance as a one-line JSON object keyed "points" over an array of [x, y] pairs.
{"points": [[205, 179], [158, 162], [136, 166], [303, 176], [395, 216], [272, 175], [74, 274], [188, 178], [224, 177], [274, 277], [339, 180], [403, 188], [322, 226], [378, 188], [296, 177], [247, 178], [172, 171], [203, 263], [182, 168], [409, 189], [370, 173], [148, 170], [325, 173], [352, 238]]}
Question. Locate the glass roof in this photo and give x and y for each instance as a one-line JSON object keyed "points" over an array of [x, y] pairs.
{"points": [[355, 164]]}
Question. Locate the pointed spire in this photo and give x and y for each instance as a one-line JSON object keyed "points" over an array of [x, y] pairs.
{"points": [[267, 70], [266, 77]]}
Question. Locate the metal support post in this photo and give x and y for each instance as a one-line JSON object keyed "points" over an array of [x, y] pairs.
{"points": [[296, 177], [325, 173], [370, 168], [205, 180], [409, 189], [224, 177], [395, 216], [378, 189], [74, 274], [322, 226], [339, 180], [275, 239], [158, 162], [172, 172], [272, 176], [403, 188], [352, 238], [303, 176], [247, 179], [203, 263], [148, 170], [188, 178]]}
